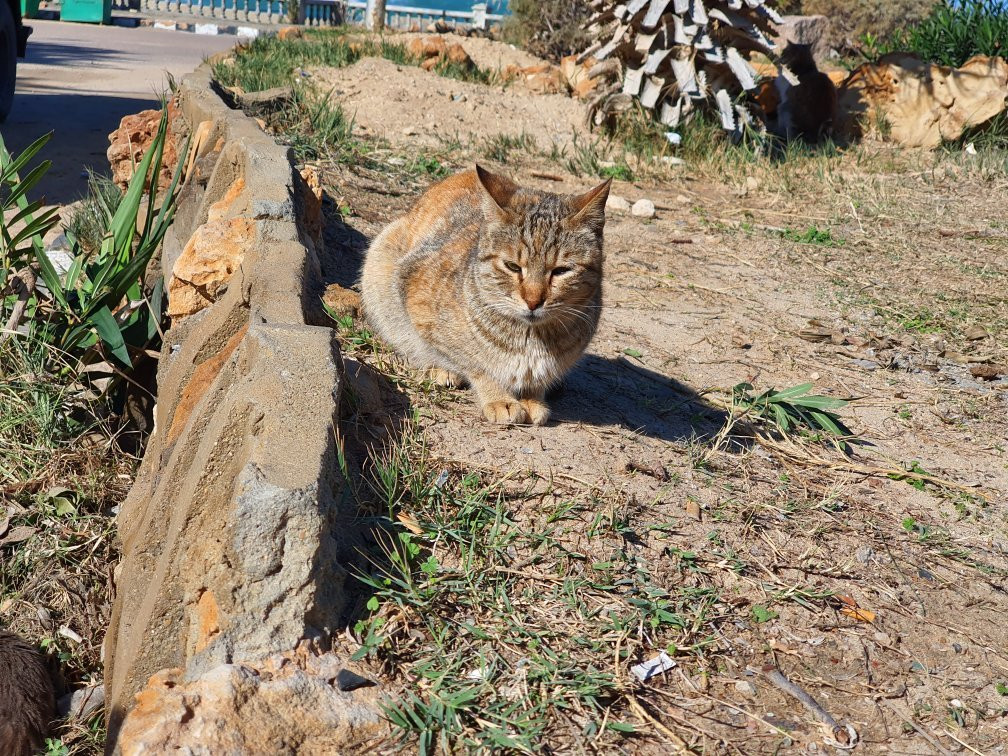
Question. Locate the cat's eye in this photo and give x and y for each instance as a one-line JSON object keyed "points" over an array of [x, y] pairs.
{"points": [[513, 267], [560, 270]]}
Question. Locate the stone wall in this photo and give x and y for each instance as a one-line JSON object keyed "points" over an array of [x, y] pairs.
{"points": [[231, 553]]}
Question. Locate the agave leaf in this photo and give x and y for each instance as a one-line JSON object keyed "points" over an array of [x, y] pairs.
{"points": [[788, 393], [819, 402], [108, 330], [22, 186], [12, 167]]}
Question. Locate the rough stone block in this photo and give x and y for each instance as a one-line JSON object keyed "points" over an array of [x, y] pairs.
{"points": [[806, 30]]}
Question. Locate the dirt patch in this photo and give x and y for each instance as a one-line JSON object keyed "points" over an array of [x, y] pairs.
{"points": [[544, 563], [415, 108], [486, 53]]}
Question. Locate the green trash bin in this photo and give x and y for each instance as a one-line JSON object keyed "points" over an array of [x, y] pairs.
{"points": [[88, 11], [29, 8]]}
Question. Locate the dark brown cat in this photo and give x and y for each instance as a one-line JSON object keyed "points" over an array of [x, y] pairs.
{"points": [[26, 697], [807, 109]]}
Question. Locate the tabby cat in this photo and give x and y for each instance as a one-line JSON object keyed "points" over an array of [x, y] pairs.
{"points": [[26, 697], [490, 283], [807, 109]]}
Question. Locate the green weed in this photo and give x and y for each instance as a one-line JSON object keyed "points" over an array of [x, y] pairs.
{"points": [[952, 33], [89, 220], [812, 235]]}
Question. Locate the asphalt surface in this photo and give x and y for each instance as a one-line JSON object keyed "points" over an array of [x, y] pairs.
{"points": [[79, 80]]}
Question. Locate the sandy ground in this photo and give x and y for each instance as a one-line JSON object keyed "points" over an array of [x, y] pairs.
{"points": [[414, 108], [877, 276]]}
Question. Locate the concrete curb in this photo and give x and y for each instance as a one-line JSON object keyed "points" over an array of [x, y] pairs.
{"points": [[233, 535]]}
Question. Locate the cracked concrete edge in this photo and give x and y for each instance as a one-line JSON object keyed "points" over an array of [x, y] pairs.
{"points": [[233, 535]]}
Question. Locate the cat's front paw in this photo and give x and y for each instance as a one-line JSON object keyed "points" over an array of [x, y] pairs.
{"points": [[505, 412], [537, 410], [446, 378]]}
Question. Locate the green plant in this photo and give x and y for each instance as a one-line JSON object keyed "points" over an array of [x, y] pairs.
{"points": [[500, 146], [93, 216], [97, 311], [791, 410], [812, 235], [953, 32], [20, 231], [316, 126]]}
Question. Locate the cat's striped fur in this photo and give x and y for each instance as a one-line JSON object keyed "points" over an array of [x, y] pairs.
{"points": [[491, 283]]}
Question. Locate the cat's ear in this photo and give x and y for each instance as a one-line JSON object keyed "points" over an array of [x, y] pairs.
{"points": [[588, 209], [499, 190]]}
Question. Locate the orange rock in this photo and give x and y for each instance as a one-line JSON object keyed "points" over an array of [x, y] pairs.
{"points": [[290, 32], [585, 89], [219, 209], [342, 301], [311, 202], [253, 707], [207, 620], [545, 79], [203, 376], [922, 103], [427, 47], [456, 54], [210, 257], [768, 97], [128, 143]]}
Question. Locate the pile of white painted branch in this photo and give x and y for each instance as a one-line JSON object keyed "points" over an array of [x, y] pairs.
{"points": [[671, 55]]}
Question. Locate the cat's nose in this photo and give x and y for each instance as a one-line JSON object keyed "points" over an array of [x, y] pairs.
{"points": [[534, 301]]}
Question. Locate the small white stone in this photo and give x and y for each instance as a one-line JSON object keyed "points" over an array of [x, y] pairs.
{"points": [[617, 203], [746, 688], [752, 183], [643, 208]]}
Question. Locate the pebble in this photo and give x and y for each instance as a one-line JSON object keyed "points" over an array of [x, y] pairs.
{"points": [[643, 208], [746, 688], [617, 203], [409, 131]]}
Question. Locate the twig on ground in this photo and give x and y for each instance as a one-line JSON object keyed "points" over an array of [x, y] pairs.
{"points": [[920, 731], [644, 714], [845, 736]]}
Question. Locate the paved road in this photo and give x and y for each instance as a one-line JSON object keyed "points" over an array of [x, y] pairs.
{"points": [[80, 79]]}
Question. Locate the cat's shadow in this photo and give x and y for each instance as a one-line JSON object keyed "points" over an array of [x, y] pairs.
{"points": [[618, 391]]}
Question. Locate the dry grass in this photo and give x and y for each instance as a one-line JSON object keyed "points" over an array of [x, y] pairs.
{"points": [[60, 478]]}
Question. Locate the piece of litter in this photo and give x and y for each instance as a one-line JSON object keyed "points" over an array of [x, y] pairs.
{"points": [[673, 137], [646, 670], [69, 634]]}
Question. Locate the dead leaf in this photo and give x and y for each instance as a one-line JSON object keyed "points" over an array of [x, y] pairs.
{"points": [[851, 609], [410, 522], [693, 509], [4, 522], [18, 534], [863, 615], [975, 333], [987, 372], [815, 334]]}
